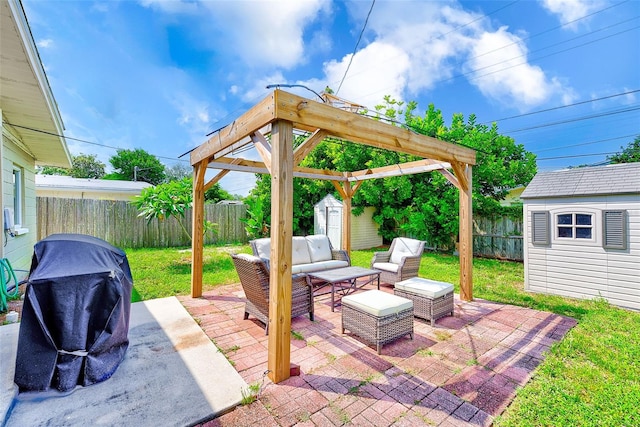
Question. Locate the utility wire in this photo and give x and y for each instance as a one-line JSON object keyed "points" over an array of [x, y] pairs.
{"points": [[585, 143], [373, 2], [82, 140], [577, 119], [562, 106]]}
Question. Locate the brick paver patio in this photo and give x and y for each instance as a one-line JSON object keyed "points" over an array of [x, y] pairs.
{"points": [[463, 372]]}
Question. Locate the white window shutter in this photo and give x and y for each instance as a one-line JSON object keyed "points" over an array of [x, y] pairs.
{"points": [[614, 229], [540, 228]]}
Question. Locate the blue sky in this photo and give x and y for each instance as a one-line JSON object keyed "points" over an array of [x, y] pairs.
{"points": [[561, 77]]}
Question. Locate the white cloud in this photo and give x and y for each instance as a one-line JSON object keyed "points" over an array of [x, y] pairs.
{"points": [[498, 67], [570, 11], [45, 43], [422, 46], [377, 70], [265, 33], [172, 7]]}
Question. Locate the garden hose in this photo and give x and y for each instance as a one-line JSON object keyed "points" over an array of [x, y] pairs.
{"points": [[6, 276]]}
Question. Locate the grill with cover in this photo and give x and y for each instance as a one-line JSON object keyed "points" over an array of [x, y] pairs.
{"points": [[75, 317]]}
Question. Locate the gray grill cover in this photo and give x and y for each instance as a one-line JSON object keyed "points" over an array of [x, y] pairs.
{"points": [[75, 317]]}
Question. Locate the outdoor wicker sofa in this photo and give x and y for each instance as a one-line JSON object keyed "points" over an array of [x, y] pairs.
{"points": [[400, 262], [308, 253], [254, 277]]}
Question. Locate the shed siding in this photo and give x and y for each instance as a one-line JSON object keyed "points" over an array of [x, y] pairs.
{"points": [[364, 230], [579, 269]]}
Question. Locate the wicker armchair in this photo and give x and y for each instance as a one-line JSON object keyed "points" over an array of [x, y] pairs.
{"points": [[400, 262], [254, 277]]}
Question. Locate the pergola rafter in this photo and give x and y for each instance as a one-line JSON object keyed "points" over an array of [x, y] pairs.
{"points": [[280, 114]]}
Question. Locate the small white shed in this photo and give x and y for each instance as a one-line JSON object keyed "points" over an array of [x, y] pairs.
{"points": [[582, 233], [327, 219]]}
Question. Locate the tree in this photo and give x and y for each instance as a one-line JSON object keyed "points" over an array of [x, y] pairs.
{"points": [[630, 154], [52, 170], [425, 205], [87, 166], [171, 199], [136, 165], [178, 171]]}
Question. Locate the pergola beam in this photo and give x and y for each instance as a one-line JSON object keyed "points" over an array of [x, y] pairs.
{"points": [[306, 114]]}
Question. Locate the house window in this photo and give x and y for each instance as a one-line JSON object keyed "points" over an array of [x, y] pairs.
{"points": [[18, 196], [574, 226]]}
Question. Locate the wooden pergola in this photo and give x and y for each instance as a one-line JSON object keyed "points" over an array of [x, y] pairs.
{"points": [[280, 114]]}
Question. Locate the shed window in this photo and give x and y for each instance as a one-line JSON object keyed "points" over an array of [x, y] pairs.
{"points": [[614, 229], [574, 226]]}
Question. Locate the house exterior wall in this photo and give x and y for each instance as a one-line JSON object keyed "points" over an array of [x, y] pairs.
{"points": [[18, 249], [585, 269]]}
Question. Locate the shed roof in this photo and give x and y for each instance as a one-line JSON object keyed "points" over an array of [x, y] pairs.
{"points": [[623, 178]]}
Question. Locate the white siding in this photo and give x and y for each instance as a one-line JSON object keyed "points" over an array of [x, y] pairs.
{"points": [[19, 249], [364, 231], [580, 269]]}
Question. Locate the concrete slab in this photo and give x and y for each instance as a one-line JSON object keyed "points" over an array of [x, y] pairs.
{"points": [[172, 374]]}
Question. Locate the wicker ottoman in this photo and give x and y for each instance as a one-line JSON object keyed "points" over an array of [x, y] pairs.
{"points": [[377, 317], [432, 300]]}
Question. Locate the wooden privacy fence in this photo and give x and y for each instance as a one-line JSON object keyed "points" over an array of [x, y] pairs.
{"points": [[118, 223], [499, 238]]}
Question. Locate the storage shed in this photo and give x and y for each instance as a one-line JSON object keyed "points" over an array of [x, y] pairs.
{"points": [[582, 233], [327, 219]]}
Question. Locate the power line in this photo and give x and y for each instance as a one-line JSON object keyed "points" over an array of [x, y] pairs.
{"points": [[373, 2], [556, 28], [533, 59], [562, 106], [81, 140], [577, 119], [574, 156], [586, 143]]}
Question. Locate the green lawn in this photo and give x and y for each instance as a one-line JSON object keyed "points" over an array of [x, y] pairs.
{"points": [[591, 378]]}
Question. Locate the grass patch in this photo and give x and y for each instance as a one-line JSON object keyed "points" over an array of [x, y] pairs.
{"points": [[297, 335], [589, 378], [250, 395]]}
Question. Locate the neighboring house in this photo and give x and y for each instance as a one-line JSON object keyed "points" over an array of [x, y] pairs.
{"points": [[86, 188], [513, 197], [327, 219], [582, 233], [30, 121]]}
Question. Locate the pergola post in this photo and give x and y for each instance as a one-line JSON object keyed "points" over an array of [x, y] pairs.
{"points": [[465, 248], [197, 228], [279, 354]]}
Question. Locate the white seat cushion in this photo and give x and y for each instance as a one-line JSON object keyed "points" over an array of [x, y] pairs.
{"points": [[263, 246], [377, 303], [385, 266], [319, 248], [318, 266], [404, 247], [429, 288], [299, 251]]}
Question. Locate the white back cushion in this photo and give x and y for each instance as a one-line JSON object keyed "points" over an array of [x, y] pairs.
{"points": [[404, 247], [263, 247], [299, 251], [319, 248]]}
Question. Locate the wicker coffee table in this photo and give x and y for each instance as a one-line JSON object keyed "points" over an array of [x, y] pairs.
{"points": [[344, 280]]}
